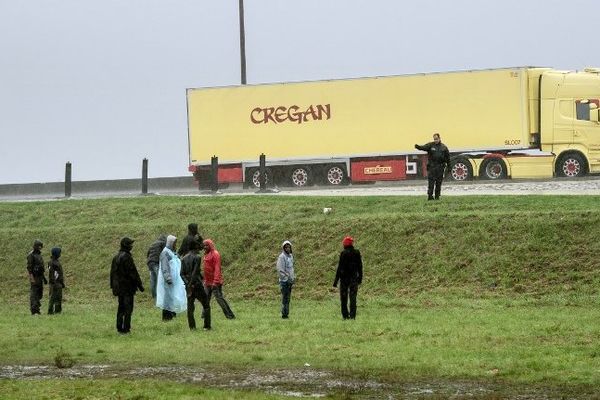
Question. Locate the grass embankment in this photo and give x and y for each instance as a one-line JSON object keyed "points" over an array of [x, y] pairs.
{"points": [[480, 288]]}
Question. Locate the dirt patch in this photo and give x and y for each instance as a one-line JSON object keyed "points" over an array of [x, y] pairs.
{"points": [[306, 382]]}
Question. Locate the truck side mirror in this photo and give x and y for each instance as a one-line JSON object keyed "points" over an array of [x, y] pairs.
{"points": [[594, 113]]}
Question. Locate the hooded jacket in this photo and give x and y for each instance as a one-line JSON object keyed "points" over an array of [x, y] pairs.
{"points": [[55, 271], [153, 254], [35, 264], [285, 265], [212, 265]]}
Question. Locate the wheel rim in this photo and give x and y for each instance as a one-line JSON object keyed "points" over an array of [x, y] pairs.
{"points": [[335, 175], [571, 167], [494, 170], [256, 179], [300, 177], [460, 171]]}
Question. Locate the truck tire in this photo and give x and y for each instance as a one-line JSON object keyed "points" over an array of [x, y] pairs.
{"points": [[300, 176], [493, 168], [253, 177], [571, 165], [460, 169], [335, 175]]}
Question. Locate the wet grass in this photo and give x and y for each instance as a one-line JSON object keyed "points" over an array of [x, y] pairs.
{"points": [[497, 289]]}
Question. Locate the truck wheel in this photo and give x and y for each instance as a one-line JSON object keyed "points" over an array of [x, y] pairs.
{"points": [[300, 176], [493, 168], [336, 175], [460, 169], [254, 175], [571, 165]]}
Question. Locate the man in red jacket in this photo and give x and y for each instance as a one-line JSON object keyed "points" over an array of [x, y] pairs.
{"points": [[213, 279]]}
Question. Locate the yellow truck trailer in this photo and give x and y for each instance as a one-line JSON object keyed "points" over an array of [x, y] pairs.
{"points": [[524, 122]]}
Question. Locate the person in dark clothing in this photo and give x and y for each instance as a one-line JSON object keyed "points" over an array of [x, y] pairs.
{"points": [[37, 280], [191, 273], [349, 274], [153, 259], [438, 158], [57, 282], [192, 236], [124, 282]]}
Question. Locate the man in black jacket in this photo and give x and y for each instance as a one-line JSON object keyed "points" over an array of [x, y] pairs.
{"points": [[57, 282], [37, 280], [349, 274], [153, 259], [192, 236], [192, 277], [438, 158], [124, 282]]}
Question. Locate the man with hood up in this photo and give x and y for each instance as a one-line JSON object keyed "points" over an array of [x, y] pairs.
{"points": [[57, 282], [191, 273], [349, 274], [153, 259], [285, 270], [170, 289], [192, 236], [213, 279], [35, 270], [124, 282]]}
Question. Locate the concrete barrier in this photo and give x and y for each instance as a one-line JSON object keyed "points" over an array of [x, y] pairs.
{"points": [[130, 186]]}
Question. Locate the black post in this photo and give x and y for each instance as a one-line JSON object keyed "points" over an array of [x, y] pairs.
{"points": [[242, 43], [263, 172], [214, 173], [68, 179], [145, 176]]}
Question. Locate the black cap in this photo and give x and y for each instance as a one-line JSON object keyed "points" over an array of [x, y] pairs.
{"points": [[38, 243], [127, 242]]}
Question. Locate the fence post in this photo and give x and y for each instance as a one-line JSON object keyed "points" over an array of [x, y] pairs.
{"points": [[68, 179], [214, 173], [145, 176], [262, 167]]}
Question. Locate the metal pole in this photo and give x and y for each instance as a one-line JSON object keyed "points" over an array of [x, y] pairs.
{"points": [[242, 43], [68, 179], [214, 173], [145, 176], [262, 165]]}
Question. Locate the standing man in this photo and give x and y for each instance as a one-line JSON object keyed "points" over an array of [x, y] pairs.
{"points": [[192, 277], [37, 280], [57, 282], [124, 282], [349, 274], [285, 270], [438, 158], [191, 236], [213, 279], [153, 259], [170, 289]]}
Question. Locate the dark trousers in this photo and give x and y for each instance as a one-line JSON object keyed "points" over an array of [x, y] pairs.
{"points": [[218, 292], [348, 290], [434, 179], [35, 296], [124, 312], [198, 293], [286, 294], [55, 303]]}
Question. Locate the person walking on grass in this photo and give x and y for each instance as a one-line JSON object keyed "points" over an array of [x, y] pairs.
{"points": [[213, 279], [285, 271], [349, 274], [170, 289], [37, 280], [438, 157], [153, 260], [125, 282], [191, 274], [57, 282]]}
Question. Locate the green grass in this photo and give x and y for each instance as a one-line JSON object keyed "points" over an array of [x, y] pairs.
{"points": [[478, 288]]}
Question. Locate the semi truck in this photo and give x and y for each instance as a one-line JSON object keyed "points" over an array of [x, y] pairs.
{"points": [[523, 122]]}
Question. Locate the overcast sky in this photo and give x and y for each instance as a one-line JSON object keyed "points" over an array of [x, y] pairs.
{"points": [[101, 83]]}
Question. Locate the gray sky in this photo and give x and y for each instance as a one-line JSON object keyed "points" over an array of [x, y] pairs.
{"points": [[101, 83]]}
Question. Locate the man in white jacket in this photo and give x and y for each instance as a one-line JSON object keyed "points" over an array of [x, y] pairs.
{"points": [[285, 270]]}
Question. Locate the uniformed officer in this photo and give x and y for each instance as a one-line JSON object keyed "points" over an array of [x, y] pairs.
{"points": [[35, 270], [438, 158]]}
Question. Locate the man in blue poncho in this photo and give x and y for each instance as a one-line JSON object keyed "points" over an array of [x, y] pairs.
{"points": [[170, 289]]}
